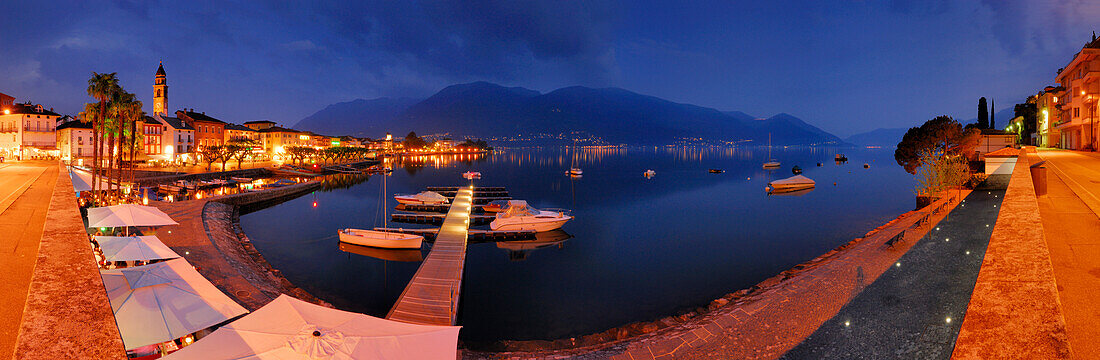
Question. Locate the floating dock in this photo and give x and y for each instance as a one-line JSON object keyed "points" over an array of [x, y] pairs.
{"points": [[431, 298], [472, 234], [437, 219]]}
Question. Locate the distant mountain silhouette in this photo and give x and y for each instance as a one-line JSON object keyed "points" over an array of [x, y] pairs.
{"points": [[878, 137], [358, 117], [787, 129], [486, 110]]}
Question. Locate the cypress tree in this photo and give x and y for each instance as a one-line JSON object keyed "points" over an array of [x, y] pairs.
{"points": [[992, 114], [983, 114]]}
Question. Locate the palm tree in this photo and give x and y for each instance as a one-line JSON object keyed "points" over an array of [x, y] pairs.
{"points": [[101, 87]]}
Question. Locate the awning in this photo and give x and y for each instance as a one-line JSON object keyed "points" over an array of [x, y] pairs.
{"points": [[128, 215], [288, 328], [134, 248], [164, 301]]}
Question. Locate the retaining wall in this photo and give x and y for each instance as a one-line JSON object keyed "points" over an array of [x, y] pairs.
{"points": [[1014, 311]]}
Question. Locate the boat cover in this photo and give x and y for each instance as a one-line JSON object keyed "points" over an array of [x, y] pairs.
{"points": [[794, 180], [518, 208]]}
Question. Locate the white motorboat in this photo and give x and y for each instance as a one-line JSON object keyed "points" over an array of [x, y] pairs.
{"points": [[793, 183], [380, 239], [470, 175], [649, 173], [423, 198], [519, 216]]}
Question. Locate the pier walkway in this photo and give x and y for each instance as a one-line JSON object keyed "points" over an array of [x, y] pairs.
{"points": [[431, 298]]}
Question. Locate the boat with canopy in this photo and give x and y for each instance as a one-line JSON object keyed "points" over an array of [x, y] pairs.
{"points": [[520, 216]]}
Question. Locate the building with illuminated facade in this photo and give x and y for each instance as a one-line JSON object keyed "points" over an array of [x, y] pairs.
{"points": [[1077, 104], [27, 130]]}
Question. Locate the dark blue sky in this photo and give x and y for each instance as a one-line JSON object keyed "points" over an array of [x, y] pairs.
{"points": [[846, 66]]}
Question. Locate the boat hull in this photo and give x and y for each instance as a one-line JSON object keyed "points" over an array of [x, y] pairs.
{"points": [[412, 200], [380, 239], [536, 224]]}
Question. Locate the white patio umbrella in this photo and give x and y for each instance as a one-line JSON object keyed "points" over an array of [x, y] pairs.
{"points": [[82, 180], [134, 248], [164, 301], [288, 328], [128, 215]]}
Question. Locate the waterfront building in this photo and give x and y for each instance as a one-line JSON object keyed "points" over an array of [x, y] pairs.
{"points": [[348, 141], [240, 132], [6, 100], [177, 139], [208, 130], [1048, 111], [275, 139], [993, 140], [1079, 104], [259, 124], [152, 137], [74, 141], [27, 130]]}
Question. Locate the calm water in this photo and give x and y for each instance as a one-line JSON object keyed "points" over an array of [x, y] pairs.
{"points": [[641, 249]]}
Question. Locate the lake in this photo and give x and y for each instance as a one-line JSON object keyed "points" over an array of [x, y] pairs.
{"points": [[639, 249]]}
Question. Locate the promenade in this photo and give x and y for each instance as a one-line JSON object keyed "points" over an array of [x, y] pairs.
{"points": [[1071, 221], [25, 190]]}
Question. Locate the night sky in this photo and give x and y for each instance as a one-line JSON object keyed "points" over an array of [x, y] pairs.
{"points": [[846, 66]]}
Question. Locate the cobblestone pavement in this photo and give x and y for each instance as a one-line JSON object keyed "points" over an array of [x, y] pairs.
{"points": [[914, 310]]}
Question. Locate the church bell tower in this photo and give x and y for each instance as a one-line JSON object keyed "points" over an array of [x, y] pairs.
{"points": [[160, 92]]}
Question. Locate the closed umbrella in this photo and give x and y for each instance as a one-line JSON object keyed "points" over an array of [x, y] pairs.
{"points": [[164, 301], [288, 328], [134, 248], [126, 215]]}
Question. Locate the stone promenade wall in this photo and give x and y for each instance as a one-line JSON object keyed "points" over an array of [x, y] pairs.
{"points": [[67, 315], [1014, 312], [250, 198]]}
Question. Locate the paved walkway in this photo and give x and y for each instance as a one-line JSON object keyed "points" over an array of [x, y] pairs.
{"points": [[431, 298], [25, 190], [914, 310], [1072, 231], [217, 263]]}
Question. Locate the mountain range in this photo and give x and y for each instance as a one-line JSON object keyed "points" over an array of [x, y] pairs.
{"points": [[617, 116]]}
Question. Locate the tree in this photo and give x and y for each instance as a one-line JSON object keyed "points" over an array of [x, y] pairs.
{"points": [[941, 136], [983, 114], [1029, 113], [101, 87], [242, 149], [992, 115], [413, 142], [211, 154]]}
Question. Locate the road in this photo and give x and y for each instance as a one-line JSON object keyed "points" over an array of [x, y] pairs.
{"points": [[25, 189]]}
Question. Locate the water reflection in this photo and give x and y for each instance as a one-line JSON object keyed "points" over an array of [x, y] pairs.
{"points": [[403, 255], [518, 250]]}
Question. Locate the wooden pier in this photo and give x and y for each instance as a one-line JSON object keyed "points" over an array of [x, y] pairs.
{"points": [[431, 298], [437, 219]]}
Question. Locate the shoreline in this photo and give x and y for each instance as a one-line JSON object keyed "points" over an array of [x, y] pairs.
{"points": [[618, 340], [695, 327]]}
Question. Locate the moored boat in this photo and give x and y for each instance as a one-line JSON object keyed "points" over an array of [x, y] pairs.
{"points": [[471, 175], [495, 206], [520, 216], [380, 239], [797, 182], [425, 197], [649, 173]]}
